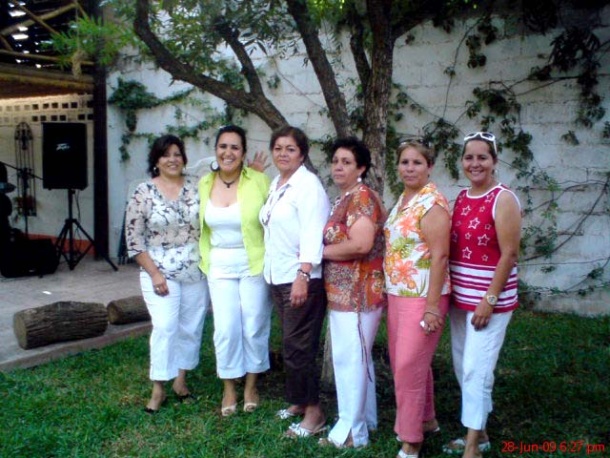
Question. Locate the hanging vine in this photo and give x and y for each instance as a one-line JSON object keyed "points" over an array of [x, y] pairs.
{"points": [[132, 96], [497, 107]]}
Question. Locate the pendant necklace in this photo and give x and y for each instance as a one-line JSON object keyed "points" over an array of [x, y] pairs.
{"points": [[228, 183]]}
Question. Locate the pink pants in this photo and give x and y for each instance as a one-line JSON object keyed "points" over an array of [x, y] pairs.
{"points": [[411, 353]]}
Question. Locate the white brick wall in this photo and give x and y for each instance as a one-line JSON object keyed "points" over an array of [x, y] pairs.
{"points": [[420, 67]]}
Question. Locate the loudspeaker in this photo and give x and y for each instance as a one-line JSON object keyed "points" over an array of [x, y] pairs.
{"points": [[64, 155], [24, 257]]}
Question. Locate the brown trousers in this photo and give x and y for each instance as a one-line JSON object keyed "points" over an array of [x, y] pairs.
{"points": [[301, 328]]}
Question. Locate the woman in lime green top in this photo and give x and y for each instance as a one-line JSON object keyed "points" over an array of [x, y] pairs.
{"points": [[232, 251]]}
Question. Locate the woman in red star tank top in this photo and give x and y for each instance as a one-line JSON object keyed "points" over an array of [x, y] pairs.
{"points": [[485, 236]]}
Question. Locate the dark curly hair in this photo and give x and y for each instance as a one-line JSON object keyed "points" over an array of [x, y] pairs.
{"points": [[159, 148], [360, 151]]}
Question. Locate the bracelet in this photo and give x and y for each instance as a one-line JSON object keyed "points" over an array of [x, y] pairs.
{"points": [[433, 313], [304, 275]]}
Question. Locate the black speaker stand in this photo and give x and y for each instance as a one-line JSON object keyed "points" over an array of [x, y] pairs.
{"points": [[74, 256]]}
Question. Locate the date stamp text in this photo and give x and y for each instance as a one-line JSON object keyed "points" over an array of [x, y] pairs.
{"points": [[548, 446]]}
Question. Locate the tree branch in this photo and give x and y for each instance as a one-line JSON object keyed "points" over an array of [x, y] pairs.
{"points": [[231, 36], [255, 103], [357, 46], [333, 96]]}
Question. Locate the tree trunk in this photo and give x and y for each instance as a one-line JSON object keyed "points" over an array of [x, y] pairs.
{"points": [[129, 310], [378, 89], [58, 322]]}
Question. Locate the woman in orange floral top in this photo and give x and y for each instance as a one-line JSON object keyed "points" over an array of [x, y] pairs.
{"points": [[417, 283], [353, 279]]}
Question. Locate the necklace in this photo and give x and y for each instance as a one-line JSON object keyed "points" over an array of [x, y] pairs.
{"points": [[349, 191], [228, 183]]}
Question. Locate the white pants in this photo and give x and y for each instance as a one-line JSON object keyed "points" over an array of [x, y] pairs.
{"points": [[354, 374], [475, 354], [242, 324], [177, 323]]}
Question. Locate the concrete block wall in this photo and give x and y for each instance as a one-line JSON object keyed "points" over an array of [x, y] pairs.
{"points": [[51, 204]]}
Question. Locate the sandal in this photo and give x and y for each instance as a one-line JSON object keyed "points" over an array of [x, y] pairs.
{"points": [[349, 443], [151, 411], [228, 410], [403, 454], [456, 446], [187, 398], [296, 430], [285, 414], [250, 407]]}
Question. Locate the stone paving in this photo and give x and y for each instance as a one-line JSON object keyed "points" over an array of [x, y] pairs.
{"points": [[90, 281]]}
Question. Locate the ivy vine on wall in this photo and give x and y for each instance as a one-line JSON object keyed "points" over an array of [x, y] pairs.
{"points": [[574, 55]]}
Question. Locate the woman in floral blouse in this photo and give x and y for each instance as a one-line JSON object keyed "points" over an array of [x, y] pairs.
{"points": [[417, 283], [353, 279], [162, 232]]}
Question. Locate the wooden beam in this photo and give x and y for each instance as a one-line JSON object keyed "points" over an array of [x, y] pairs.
{"points": [[41, 57], [50, 15], [29, 75], [5, 43], [35, 18]]}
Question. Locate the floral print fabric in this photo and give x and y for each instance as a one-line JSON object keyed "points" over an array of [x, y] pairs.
{"points": [[407, 256], [357, 285], [167, 229]]}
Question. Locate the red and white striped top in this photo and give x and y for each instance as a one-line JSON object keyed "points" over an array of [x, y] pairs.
{"points": [[475, 252]]}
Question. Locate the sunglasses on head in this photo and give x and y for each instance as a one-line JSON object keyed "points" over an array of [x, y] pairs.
{"points": [[486, 136], [421, 140]]}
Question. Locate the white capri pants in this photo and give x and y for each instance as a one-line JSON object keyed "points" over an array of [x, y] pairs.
{"points": [[242, 324], [354, 374], [475, 354], [177, 324]]}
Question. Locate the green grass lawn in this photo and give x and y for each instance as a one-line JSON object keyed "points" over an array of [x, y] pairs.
{"points": [[551, 399]]}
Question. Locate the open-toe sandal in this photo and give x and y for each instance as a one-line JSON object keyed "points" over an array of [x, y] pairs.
{"points": [[457, 446], [151, 411], [227, 411], [250, 407], [403, 454], [285, 414], [296, 430], [187, 398], [327, 441]]}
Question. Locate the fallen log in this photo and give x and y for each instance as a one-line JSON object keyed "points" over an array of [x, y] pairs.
{"points": [[59, 322], [128, 310]]}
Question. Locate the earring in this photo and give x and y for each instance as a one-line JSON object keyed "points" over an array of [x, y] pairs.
{"points": [[359, 180], [214, 167], [156, 170]]}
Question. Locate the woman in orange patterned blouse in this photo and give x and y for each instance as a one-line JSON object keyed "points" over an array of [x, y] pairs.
{"points": [[353, 279], [417, 283]]}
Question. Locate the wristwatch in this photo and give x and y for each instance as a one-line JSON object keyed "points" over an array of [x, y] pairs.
{"points": [[491, 299]]}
